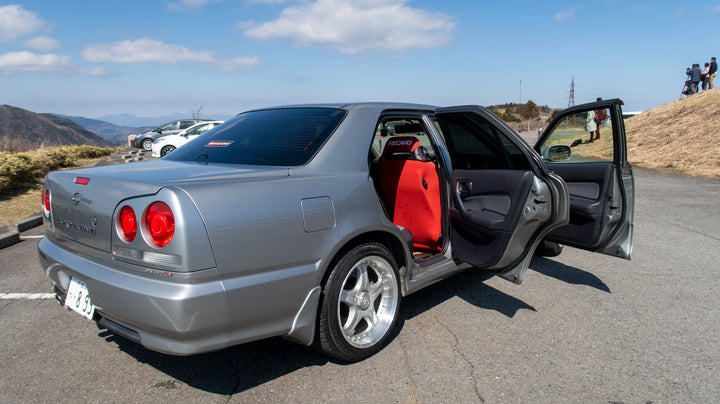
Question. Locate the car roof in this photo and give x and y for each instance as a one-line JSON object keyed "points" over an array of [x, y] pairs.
{"points": [[356, 105]]}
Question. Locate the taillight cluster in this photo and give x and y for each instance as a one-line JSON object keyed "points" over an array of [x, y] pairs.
{"points": [[46, 202], [158, 224]]}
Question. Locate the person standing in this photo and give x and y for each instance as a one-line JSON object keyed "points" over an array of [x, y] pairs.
{"points": [[599, 117], [711, 75], [705, 76], [590, 124], [694, 78]]}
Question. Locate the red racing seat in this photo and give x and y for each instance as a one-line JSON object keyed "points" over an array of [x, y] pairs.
{"points": [[410, 188]]}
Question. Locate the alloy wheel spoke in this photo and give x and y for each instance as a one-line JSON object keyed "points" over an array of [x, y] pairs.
{"points": [[352, 320]]}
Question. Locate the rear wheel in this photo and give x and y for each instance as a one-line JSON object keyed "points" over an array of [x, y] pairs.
{"points": [[165, 150], [359, 305]]}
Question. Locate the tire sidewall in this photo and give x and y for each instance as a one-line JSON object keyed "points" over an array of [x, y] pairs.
{"points": [[146, 141], [165, 150], [330, 338]]}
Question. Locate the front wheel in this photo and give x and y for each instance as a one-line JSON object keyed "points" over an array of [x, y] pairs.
{"points": [[147, 144], [359, 305], [548, 249]]}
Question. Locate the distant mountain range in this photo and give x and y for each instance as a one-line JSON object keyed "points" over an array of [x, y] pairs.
{"points": [[22, 130], [138, 121], [106, 130]]}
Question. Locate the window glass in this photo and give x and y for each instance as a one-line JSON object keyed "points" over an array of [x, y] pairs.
{"points": [[279, 137], [186, 124], [199, 129], [475, 143], [170, 126], [580, 138], [394, 127]]}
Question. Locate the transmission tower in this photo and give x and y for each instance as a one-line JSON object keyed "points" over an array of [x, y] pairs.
{"points": [[571, 98]]}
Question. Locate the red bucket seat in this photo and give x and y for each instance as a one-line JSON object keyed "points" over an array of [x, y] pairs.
{"points": [[411, 190]]}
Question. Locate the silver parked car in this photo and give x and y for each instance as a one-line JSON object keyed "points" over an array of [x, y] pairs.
{"points": [[313, 222], [146, 139]]}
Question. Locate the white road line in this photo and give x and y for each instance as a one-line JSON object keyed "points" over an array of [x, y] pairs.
{"points": [[26, 296], [28, 237]]}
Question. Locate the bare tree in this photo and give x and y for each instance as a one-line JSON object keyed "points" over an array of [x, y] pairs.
{"points": [[196, 113]]}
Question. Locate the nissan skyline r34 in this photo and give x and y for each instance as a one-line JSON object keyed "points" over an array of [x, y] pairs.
{"points": [[313, 222]]}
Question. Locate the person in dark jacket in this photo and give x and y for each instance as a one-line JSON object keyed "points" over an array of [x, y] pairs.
{"points": [[711, 74], [694, 74]]}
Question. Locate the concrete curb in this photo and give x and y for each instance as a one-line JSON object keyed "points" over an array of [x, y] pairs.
{"points": [[9, 239], [13, 236]]}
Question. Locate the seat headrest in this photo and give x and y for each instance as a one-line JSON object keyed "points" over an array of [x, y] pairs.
{"points": [[401, 144], [405, 148]]}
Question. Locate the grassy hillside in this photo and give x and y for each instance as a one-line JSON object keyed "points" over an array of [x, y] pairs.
{"points": [[22, 130], [682, 136]]}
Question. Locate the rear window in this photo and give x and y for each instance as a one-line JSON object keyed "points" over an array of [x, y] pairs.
{"points": [[278, 137]]}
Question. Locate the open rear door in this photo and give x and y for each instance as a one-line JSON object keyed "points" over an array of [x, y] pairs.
{"points": [[501, 202], [586, 146]]}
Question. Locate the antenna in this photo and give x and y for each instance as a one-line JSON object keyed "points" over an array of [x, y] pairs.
{"points": [[571, 98]]}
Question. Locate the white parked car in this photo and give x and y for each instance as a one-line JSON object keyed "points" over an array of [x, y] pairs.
{"points": [[166, 144]]}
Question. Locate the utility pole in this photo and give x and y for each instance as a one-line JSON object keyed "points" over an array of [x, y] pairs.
{"points": [[571, 99]]}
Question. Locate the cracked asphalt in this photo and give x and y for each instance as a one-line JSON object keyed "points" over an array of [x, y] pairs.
{"points": [[582, 327]]}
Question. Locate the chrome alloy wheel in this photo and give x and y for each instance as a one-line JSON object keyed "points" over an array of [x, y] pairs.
{"points": [[368, 301]]}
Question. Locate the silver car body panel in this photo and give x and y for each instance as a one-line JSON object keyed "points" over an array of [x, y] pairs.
{"points": [[253, 244]]}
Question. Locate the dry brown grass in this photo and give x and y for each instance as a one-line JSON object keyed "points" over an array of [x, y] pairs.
{"points": [[681, 137], [27, 202]]}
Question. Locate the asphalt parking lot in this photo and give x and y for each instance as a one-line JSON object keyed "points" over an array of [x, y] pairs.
{"points": [[582, 327]]}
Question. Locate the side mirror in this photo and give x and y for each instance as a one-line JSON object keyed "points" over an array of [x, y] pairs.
{"points": [[557, 152]]}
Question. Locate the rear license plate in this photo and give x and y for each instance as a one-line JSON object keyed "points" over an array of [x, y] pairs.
{"points": [[78, 299]]}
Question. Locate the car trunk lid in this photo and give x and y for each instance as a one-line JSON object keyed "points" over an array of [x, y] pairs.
{"points": [[83, 201]]}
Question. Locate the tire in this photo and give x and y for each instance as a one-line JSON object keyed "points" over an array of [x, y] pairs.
{"points": [[147, 144], [359, 305], [167, 149], [548, 249]]}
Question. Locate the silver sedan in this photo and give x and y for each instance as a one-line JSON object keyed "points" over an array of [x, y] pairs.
{"points": [[312, 222]]}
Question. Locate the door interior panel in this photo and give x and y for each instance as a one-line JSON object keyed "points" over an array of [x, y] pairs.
{"points": [[590, 186], [487, 207]]}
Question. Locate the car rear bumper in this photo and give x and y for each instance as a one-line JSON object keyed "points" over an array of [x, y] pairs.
{"points": [[179, 314]]}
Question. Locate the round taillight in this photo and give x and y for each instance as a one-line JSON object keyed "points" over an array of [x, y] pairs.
{"points": [[128, 223], [46, 202], [160, 223]]}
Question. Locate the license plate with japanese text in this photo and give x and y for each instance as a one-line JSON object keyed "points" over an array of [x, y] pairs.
{"points": [[78, 299]]}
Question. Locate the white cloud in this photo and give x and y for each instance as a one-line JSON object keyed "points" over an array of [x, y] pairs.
{"points": [[146, 50], [143, 50], [354, 26], [239, 63], [24, 61], [566, 15], [16, 22], [715, 9], [42, 43]]}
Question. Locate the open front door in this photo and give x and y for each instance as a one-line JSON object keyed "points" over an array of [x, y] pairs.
{"points": [[501, 205], [585, 145]]}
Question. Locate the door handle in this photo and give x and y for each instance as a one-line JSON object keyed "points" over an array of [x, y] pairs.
{"points": [[464, 188]]}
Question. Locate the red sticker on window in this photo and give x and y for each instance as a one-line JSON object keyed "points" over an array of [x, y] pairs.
{"points": [[220, 143]]}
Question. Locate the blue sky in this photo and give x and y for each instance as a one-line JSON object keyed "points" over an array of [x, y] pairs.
{"points": [[153, 58]]}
